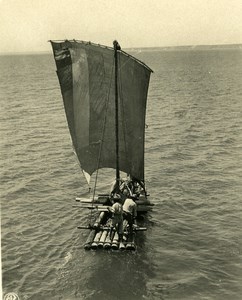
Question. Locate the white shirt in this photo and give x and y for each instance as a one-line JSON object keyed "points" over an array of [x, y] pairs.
{"points": [[130, 206]]}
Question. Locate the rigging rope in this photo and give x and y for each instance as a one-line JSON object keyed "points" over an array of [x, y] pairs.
{"points": [[123, 117], [101, 143]]}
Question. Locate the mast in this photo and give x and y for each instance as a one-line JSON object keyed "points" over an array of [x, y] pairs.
{"points": [[116, 48]]}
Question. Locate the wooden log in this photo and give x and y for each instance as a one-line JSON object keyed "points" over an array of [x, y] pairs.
{"points": [[97, 207], [96, 239], [102, 239], [131, 243], [107, 228], [82, 206], [121, 246], [140, 208], [86, 200], [100, 199], [108, 241], [126, 229], [89, 240], [137, 228], [103, 197], [99, 219], [125, 238], [115, 242], [100, 208], [125, 234], [84, 227]]}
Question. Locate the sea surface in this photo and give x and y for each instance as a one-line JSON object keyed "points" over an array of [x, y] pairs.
{"points": [[193, 164]]}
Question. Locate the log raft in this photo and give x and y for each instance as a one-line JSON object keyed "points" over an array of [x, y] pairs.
{"points": [[101, 239], [101, 236]]}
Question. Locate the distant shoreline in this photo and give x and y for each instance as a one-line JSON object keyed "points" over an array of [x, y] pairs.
{"points": [[190, 47], [150, 49]]}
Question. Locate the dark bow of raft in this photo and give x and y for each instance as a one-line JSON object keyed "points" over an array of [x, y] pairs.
{"points": [[102, 235]]}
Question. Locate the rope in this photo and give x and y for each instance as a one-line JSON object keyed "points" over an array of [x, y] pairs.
{"points": [[123, 118]]}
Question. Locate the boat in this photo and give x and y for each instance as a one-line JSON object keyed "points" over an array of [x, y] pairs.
{"points": [[104, 90]]}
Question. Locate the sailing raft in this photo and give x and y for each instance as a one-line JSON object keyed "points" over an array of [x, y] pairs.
{"points": [[102, 234], [104, 90]]}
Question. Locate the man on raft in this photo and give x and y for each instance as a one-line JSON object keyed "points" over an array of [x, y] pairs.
{"points": [[130, 210], [117, 216], [133, 185]]}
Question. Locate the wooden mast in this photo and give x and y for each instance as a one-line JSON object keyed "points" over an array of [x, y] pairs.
{"points": [[116, 48]]}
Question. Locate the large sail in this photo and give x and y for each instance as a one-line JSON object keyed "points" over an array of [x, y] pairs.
{"points": [[86, 76]]}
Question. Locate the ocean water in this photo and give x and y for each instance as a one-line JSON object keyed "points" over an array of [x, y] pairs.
{"points": [[192, 248]]}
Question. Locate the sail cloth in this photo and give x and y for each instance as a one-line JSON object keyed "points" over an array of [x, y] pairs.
{"points": [[86, 76]]}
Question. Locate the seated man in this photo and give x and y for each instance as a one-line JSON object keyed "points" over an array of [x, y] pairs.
{"points": [[136, 186], [130, 210], [117, 216]]}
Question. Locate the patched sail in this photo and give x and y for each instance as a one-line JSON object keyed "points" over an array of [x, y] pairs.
{"points": [[86, 76]]}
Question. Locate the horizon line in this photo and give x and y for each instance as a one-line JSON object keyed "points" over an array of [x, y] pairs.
{"points": [[128, 48]]}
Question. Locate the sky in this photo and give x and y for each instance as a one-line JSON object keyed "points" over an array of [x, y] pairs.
{"points": [[27, 25]]}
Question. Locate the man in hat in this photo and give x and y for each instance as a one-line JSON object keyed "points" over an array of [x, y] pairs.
{"points": [[117, 216], [130, 210]]}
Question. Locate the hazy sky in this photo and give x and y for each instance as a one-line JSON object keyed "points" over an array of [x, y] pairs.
{"points": [[27, 25]]}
